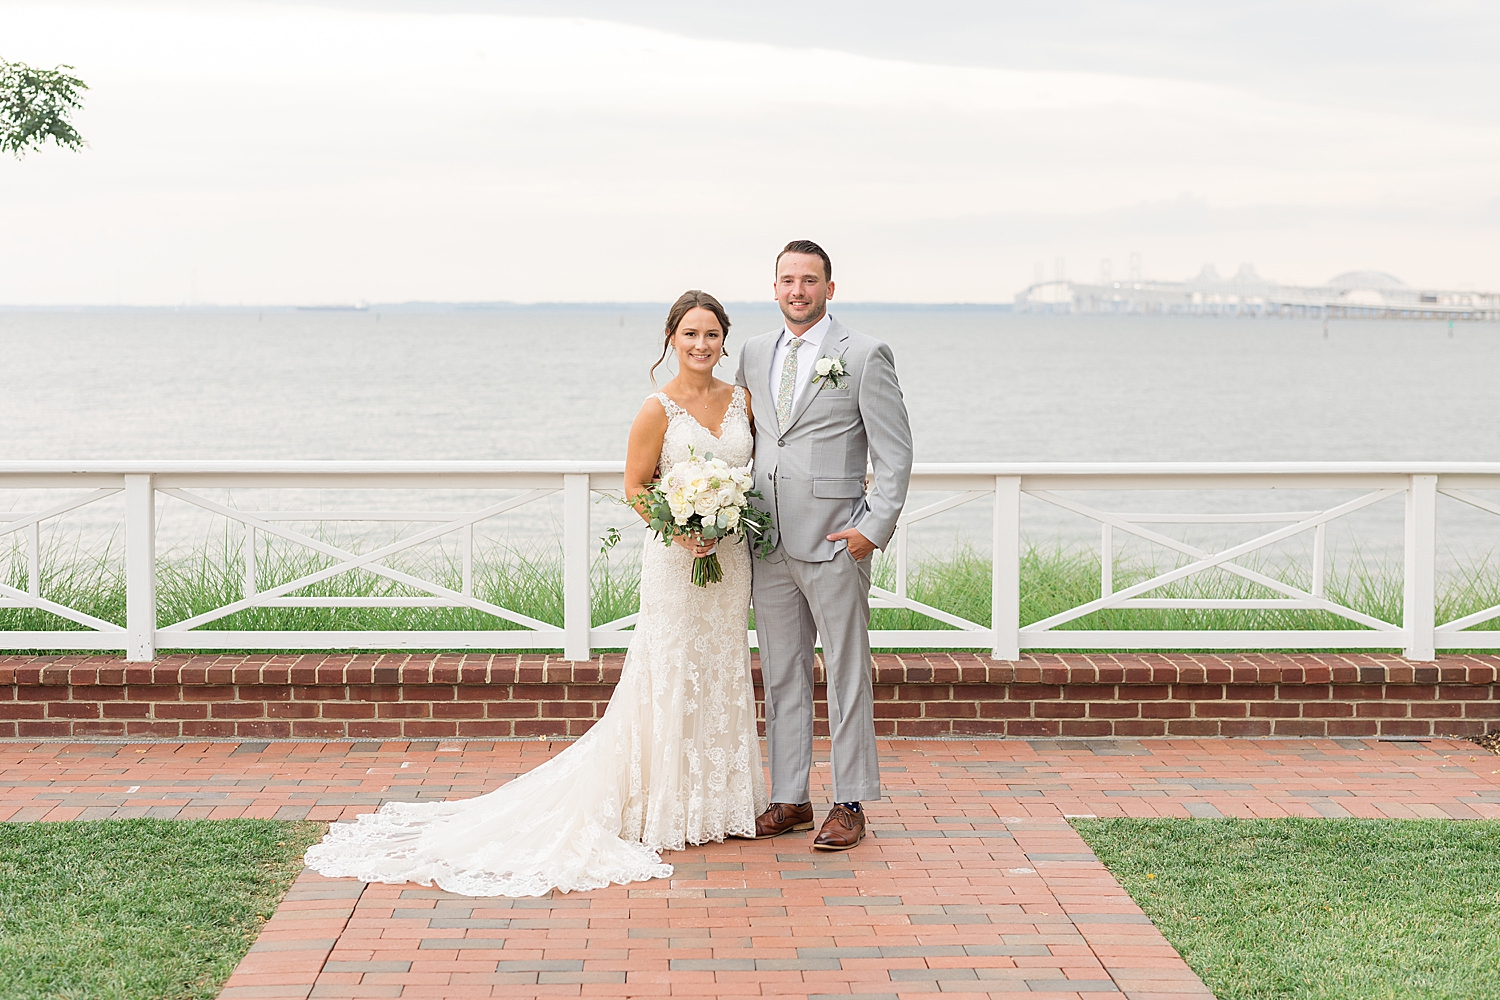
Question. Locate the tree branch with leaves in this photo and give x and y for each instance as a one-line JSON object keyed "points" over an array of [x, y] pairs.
{"points": [[35, 105]]}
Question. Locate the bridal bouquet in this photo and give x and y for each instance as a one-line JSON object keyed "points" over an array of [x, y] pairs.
{"points": [[705, 498]]}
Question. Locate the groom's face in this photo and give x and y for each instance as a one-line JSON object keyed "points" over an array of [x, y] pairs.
{"points": [[802, 290]]}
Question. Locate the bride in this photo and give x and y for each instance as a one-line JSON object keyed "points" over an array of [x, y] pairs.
{"points": [[675, 760]]}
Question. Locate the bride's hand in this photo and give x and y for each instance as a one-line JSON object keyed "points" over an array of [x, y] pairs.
{"points": [[695, 545]]}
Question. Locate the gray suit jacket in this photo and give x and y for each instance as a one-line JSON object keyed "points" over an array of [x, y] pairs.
{"points": [[812, 476]]}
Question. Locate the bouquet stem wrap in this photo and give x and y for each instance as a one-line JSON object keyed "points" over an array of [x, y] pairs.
{"points": [[706, 570]]}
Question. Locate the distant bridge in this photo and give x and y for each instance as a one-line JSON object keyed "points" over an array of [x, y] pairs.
{"points": [[1357, 294]]}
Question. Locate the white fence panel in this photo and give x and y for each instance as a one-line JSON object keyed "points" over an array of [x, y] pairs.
{"points": [[1419, 634]]}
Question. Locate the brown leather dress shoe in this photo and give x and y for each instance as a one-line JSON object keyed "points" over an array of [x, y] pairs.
{"points": [[783, 817], [843, 829]]}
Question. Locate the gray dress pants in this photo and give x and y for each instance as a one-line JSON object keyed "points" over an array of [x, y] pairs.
{"points": [[795, 603]]}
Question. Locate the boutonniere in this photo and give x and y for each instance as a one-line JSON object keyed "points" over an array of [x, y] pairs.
{"points": [[833, 371]]}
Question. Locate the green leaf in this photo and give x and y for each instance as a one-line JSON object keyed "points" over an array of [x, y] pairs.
{"points": [[35, 105], [609, 540]]}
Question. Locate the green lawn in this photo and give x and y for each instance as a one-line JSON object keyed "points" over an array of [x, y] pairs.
{"points": [[1320, 909], [139, 908]]}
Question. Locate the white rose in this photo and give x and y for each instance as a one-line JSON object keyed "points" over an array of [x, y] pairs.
{"points": [[706, 504], [824, 366], [731, 517], [680, 511]]}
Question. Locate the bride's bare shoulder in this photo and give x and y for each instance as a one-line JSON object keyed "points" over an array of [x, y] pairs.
{"points": [[653, 412]]}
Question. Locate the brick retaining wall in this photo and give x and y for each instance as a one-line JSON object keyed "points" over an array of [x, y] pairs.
{"points": [[426, 696]]}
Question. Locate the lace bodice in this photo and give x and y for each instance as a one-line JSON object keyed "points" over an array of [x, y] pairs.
{"points": [[735, 444]]}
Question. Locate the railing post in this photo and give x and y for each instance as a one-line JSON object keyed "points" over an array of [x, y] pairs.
{"points": [[901, 561], [1005, 580], [466, 540], [577, 613], [1106, 560], [34, 560], [251, 585], [1419, 605], [140, 569], [1320, 559]]}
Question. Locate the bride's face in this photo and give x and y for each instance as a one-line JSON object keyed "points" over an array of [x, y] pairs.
{"points": [[699, 341]]}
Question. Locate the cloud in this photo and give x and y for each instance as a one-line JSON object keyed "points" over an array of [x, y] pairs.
{"points": [[1434, 58], [265, 153]]}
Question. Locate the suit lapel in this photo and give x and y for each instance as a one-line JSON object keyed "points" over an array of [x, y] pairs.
{"points": [[768, 356], [833, 345]]}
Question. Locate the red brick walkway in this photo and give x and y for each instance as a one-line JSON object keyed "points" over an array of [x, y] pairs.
{"points": [[972, 885]]}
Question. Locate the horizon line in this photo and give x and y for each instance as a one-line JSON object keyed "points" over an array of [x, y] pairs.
{"points": [[416, 304]]}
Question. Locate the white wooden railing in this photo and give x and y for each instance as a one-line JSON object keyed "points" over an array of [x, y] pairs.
{"points": [[77, 485]]}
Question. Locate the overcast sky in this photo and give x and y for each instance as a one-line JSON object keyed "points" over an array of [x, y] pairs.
{"points": [[578, 150]]}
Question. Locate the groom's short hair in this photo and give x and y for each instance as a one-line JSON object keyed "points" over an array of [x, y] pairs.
{"points": [[808, 247]]}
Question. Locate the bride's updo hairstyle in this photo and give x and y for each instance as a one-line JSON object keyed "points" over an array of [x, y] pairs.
{"points": [[686, 303]]}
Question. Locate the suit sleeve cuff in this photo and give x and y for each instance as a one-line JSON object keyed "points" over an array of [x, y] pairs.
{"points": [[877, 529]]}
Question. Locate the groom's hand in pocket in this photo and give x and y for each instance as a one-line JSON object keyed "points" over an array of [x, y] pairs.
{"points": [[859, 545]]}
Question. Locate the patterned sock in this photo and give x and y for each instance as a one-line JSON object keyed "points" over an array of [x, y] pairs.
{"points": [[851, 806]]}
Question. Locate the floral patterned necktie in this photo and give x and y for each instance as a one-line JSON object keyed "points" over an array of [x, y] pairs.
{"points": [[788, 389]]}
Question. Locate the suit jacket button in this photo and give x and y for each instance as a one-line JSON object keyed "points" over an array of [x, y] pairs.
{"points": [[781, 444]]}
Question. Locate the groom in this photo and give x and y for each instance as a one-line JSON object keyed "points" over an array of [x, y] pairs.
{"points": [[826, 402]]}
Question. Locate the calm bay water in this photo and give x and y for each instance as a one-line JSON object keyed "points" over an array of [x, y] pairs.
{"points": [[565, 382], [526, 383]]}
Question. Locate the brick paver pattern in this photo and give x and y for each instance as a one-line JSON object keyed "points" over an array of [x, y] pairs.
{"points": [[972, 883]]}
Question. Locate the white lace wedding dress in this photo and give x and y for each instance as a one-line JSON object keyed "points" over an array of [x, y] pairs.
{"points": [[675, 760]]}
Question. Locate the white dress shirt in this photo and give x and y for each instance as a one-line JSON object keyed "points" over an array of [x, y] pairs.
{"points": [[807, 357]]}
